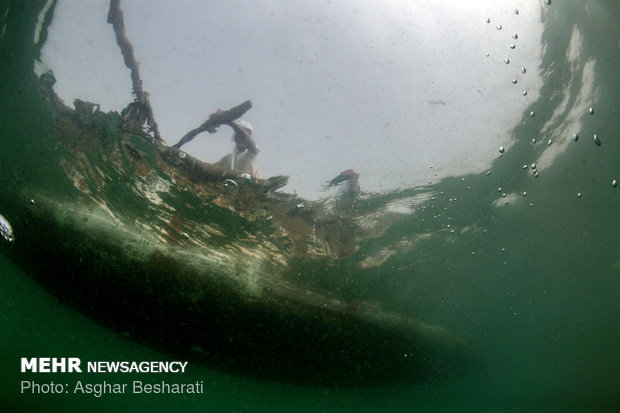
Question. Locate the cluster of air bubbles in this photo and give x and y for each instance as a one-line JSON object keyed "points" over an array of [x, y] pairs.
{"points": [[5, 229]]}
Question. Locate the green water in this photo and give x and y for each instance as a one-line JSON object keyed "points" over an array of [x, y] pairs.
{"points": [[532, 286]]}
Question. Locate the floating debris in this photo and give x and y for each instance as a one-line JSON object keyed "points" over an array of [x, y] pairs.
{"points": [[300, 206], [597, 141], [245, 176], [5, 229], [228, 182]]}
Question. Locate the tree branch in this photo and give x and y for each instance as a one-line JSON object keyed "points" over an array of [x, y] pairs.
{"points": [[115, 18], [215, 120]]}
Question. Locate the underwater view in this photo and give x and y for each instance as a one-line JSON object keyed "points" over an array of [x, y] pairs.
{"points": [[326, 206]]}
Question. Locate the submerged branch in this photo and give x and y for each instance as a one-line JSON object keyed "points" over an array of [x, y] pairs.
{"points": [[115, 18], [215, 120]]}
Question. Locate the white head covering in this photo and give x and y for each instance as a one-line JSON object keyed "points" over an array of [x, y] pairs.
{"points": [[245, 125]]}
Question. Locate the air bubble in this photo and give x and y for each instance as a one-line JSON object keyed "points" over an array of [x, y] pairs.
{"points": [[533, 140], [300, 206], [575, 137], [488, 20], [550, 141], [228, 182], [578, 194], [501, 149], [516, 11], [591, 110], [498, 27], [614, 183], [532, 114], [514, 81], [523, 70], [512, 46], [499, 189], [536, 174], [524, 166], [185, 235], [597, 141], [506, 60], [524, 193], [533, 166], [524, 92], [547, 2]]}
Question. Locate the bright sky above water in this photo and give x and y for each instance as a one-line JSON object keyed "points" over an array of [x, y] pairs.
{"points": [[385, 90]]}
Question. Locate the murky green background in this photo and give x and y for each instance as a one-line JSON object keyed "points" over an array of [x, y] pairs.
{"points": [[533, 286]]}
